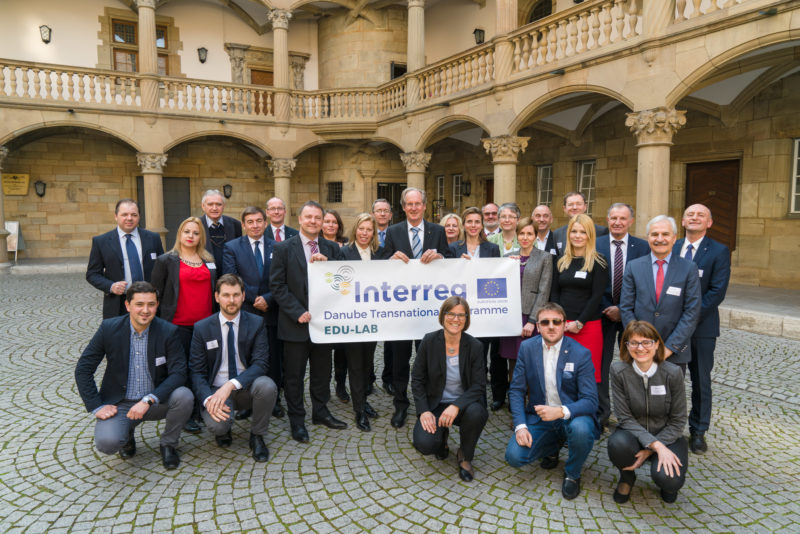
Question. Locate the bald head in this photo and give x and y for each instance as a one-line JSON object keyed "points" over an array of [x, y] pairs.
{"points": [[696, 220], [542, 218]]}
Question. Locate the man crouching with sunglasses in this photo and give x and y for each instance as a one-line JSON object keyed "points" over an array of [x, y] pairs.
{"points": [[558, 375]]}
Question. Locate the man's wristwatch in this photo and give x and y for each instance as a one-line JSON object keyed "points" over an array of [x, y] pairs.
{"points": [[148, 400]]}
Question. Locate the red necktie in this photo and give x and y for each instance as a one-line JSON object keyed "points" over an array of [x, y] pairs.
{"points": [[659, 278], [278, 235]]}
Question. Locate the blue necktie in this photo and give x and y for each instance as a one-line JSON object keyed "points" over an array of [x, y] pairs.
{"points": [[133, 260], [232, 372], [689, 252], [416, 244], [259, 259], [382, 237]]}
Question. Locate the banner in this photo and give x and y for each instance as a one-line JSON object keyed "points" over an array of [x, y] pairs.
{"points": [[391, 300]]}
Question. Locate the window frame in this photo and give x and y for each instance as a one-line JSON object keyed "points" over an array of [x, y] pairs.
{"points": [[794, 200], [133, 48], [458, 193], [548, 200], [590, 189], [335, 191]]}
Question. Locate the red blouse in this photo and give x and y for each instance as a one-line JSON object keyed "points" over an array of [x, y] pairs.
{"points": [[194, 295]]}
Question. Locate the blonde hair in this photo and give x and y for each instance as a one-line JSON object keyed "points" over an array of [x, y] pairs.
{"points": [[201, 243], [458, 220], [590, 255], [373, 242]]}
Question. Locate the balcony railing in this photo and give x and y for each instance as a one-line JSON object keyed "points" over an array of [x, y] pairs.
{"points": [[454, 75], [349, 104], [685, 10]]}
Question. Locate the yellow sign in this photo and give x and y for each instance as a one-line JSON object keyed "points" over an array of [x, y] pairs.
{"points": [[15, 184]]}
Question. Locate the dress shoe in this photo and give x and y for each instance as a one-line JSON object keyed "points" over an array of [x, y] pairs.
{"points": [[129, 449], [277, 410], [330, 421], [362, 422], [371, 388], [697, 442], [399, 418], [628, 480], [464, 467], [669, 497], [496, 405], [549, 462], [192, 427], [169, 457], [370, 411], [243, 414], [260, 450], [570, 488], [224, 440], [299, 433], [342, 393], [444, 450], [388, 388]]}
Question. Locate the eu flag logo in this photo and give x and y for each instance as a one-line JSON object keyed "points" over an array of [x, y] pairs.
{"points": [[492, 288]]}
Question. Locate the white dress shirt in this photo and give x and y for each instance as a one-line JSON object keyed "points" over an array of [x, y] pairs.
{"points": [[541, 244], [612, 250], [695, 246], [550, 365], [260, 246], [365, 253], [306, 248], [137, 241], [222, 373], [281, 229], [420, 234]]}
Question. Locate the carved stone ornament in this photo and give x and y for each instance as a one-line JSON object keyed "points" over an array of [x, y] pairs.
{"points": [[146, 3], [416, 3], [3, 154], [281, 167], [505, 148], [151, 162], [298, 74], [279, 18], [656, 125], [415, 161]]}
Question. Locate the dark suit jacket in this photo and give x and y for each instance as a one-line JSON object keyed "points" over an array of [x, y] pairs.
{"points": [[675, 316], [397, 239], [560, 236], [636, 249], [232, 227], [113, 341], [713, 261], [106, 265], [550, 244], [429, 374], [485, 249], [288, 230], [576, 389], [251, 346], [238, 258], [289, 282], [166, 279], [350, 253]]}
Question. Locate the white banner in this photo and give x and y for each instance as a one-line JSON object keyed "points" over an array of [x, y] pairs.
{"points": [[390, 300]]}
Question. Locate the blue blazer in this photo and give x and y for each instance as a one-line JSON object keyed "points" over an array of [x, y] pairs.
{"points": [[106, 265], [288, 230], [636, 249], [713, 261], [486, 249], [675, 316], [576, 389], [204, 362], [238, 258]]}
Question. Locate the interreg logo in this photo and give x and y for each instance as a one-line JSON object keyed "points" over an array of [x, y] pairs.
{"points": [[342, 280], [492, 288]]}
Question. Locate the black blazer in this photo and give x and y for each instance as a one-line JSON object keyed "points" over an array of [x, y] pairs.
{"points": [[288, 230], [713, 261], [429, 374], [204, 362], [560, 236], [232, 227], [289, 283], [113, 341], [349, 252], [636, 249], [486, 249], [238, 259], [166, 279], [106, 265], [397, 239]]}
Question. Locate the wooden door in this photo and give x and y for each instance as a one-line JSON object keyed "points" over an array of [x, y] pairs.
{"points": [[715, 184], [261, 77], [489, 191], [176, 205]]}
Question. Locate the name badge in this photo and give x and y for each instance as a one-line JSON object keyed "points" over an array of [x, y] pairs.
{"points": [[658, 390], [153, 255], [212, 344], [558, 244], [210, 265], [580, 274], [569, 367], [553, 252], [700, 272], [674, 291], [161, 360], [270, 255], [453, 360]]}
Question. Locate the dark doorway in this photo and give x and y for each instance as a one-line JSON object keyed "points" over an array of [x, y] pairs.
{"points": [[489, 191], [176, 205], [715, 184], [391, 191]]}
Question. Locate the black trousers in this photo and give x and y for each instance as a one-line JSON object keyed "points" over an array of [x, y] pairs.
{"points": [[498, 369], [360, 357], [470, 421], [700, 367], [185, 335], [612, 334], [622, 449], [339, 362], [386, 375], [295, 356], [275, 371], [401, 368]]}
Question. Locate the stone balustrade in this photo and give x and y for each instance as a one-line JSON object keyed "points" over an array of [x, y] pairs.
{"points": [[686, 10], [455, 75]]}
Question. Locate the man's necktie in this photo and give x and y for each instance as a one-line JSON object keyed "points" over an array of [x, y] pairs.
{"points": [[313, 246], [277, 235], [133, 259], [659, 278], [382, 237], [214, 225], [416, 244], [232, 372], [259, 258], [689, 254], [616, 284]]}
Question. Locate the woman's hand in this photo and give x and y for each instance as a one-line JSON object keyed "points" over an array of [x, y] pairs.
{"points": [[527, 330], [428, 422], [667, 459], [466, 256], [448, 416], [574, 327], [641, 456]]}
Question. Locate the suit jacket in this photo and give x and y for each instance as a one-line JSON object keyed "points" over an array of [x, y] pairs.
{"points": [[576, 389], [537, 279], [166, 362], [251, 347], [397, 239], [560, 236], [713, 261], [676, 315], [238, 258], [429, 374], [349, 252], [636, 249], [486, 249], [550, 244], [232, 227], [106, 265], [166, 279], [288, 230], [289, 282]]}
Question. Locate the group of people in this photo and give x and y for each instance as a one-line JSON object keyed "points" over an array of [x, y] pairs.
{"points": [[232, 333]]}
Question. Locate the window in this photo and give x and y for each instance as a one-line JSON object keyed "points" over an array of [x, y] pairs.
{"points": [[544, 184], [125, 36], [396, 70], [261, 77], [334, 192], [543, 8], [795, 201], [586, 179], [440, 187], [457, 193]]}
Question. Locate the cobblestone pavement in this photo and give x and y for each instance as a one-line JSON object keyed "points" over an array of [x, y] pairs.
{"points": [[52, 479]]}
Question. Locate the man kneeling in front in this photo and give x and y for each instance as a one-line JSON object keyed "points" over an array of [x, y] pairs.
{"points": [[558, 375]]}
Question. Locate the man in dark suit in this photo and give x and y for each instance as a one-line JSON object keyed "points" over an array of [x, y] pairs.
{"points": [[618, 248], [713, 261], [664, 290], [289, 282], [556, 375], [543, 218], [382, 211], [574, 204], [228, 363], [122, 256], [143, 380], [277, 230], [414, 238], [219, 228]]}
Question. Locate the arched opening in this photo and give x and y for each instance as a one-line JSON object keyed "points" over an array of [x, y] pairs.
{"points": [[542, 9]]}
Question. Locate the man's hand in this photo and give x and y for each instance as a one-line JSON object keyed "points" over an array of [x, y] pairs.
{"points": [[612, 314], [448, 416], [549, 413], [524, 438], [430, 255], [215, 405], [318, 257], [428, 422], [260, 303], [138, 410], [399, 256], [118, 288], [305, 318], [667, 352], [466, 256], [106, 411]]}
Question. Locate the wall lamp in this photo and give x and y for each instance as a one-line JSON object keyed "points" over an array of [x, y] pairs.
{"points": [[227, 190], [46, 32], [466, 188], [40, 187], [480, 35], [202, 54]]}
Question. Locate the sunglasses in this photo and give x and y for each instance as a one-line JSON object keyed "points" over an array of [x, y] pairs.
{"points": [[546, 322]]}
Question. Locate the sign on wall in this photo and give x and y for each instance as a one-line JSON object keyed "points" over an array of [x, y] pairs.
{"points": [[15, 184]]}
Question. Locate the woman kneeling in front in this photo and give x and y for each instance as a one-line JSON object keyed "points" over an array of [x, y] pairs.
{"points": [[650, 405], [449, 383]]}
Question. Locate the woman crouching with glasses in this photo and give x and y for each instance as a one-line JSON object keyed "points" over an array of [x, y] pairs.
{"points": [[650, 405], [449, 382]]}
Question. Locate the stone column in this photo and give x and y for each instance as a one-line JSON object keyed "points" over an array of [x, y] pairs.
{"points": [[281, 170], [148, 55], [415, 49], [152, 164], [280, 35], [415, 163], [504, 150], [506, 22], [653, 129], [3, 232]]}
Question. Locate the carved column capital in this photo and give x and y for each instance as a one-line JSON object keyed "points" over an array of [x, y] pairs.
{"points": [[3, 155], [281, 167], [655, 126], [505, 148], [151, 162], [415, 161], [416, 3], [279, 18], [146, 3]]}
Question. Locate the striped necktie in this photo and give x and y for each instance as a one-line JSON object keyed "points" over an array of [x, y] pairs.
{"points": [[416, 244]]}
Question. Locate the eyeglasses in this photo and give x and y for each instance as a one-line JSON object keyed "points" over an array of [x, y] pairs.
{"points": [[508, 217], [546, 322], [456, 316], [276, 209], [383, 211], [490, 214], [647, 343]]}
